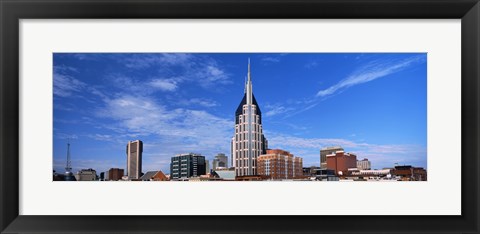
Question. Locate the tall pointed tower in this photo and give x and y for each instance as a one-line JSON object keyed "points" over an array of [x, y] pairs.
{"points": [[248, 141], [68, 169]]}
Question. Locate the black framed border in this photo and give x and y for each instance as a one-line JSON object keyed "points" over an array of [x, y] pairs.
{"points": [[11, 11]]}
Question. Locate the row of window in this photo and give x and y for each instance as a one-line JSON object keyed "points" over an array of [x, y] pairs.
{"points": [[243, 144], [244, 163], [244, 171], [243, 136], [244, 127], [244, 154]]}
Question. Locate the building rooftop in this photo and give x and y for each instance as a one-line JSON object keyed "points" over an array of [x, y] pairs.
{"points": [[149, 175], [227, 175]]}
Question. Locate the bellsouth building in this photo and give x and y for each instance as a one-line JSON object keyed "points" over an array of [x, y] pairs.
{"points": [[248, 142]]}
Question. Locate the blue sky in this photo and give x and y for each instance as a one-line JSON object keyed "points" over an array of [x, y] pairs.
{"points": [[372, 104]]}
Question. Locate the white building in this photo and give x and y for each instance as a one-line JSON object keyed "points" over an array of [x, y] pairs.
{"points": [[364, 164], [220, 161], [86, 175], [248, 141]]}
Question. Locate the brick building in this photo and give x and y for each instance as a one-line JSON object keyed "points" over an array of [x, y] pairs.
{"points": [[341, 161], [409, 173], [279, 164], [115, 174]]}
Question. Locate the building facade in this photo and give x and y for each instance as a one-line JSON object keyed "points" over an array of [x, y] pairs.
{"points": [[410, 173], [187, 165], [280, 164], [364, 164], [207, 166], [248, 142], [114, 174], [220, 161], [325, 151], [134, 159], [340, 162], [86, 175]]}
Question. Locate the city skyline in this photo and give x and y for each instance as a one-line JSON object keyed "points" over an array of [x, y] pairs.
{"points": [[371, 104]]}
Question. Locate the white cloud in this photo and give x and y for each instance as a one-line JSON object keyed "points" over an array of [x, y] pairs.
{"points": [[276, 109], [164, 84], [272, 58], [65, 85], [200, 69], [177, 129], [370, 72]]}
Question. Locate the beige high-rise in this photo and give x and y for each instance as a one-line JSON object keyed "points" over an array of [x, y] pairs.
{"points": [[134, 159], [248, 142]]}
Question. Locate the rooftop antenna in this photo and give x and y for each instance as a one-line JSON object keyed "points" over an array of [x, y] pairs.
{"points": [[68, 168]]}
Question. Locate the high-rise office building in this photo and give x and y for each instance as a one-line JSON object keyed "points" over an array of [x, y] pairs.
{"points": [[248, 142], [324, 152], [134, 159], [187, 165], [220, 161]]}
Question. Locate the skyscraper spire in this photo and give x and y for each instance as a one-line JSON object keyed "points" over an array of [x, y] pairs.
{"points": [[249, 85], [248, 69], [248, 141]]}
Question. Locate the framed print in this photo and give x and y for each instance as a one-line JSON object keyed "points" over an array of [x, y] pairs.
{"points": [[239, 116]]}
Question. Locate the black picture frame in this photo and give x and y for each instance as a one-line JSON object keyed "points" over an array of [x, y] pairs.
{"points": [[11, 11]]}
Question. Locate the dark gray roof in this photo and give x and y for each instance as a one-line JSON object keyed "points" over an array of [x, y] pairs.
{"points": [[149, 175], [243, 102]]}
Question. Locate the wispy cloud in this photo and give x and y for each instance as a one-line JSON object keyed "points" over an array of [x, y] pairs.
{"points": [[197, 69], [184, 128], [272, 58], [276, 109], [65, 85], [311, 64], [164, 84], [370, 72]]}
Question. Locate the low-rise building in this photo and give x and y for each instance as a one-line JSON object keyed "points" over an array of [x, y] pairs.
{"points": [[114, 174], [364, 164], [279, 164], [340, 162], [86, 175], [409, 173], [154, 176]]}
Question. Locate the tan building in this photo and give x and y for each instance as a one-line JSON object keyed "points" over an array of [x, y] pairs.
{"points": [[86, 175], [279, 164], [134, 159], [364, 164]]}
